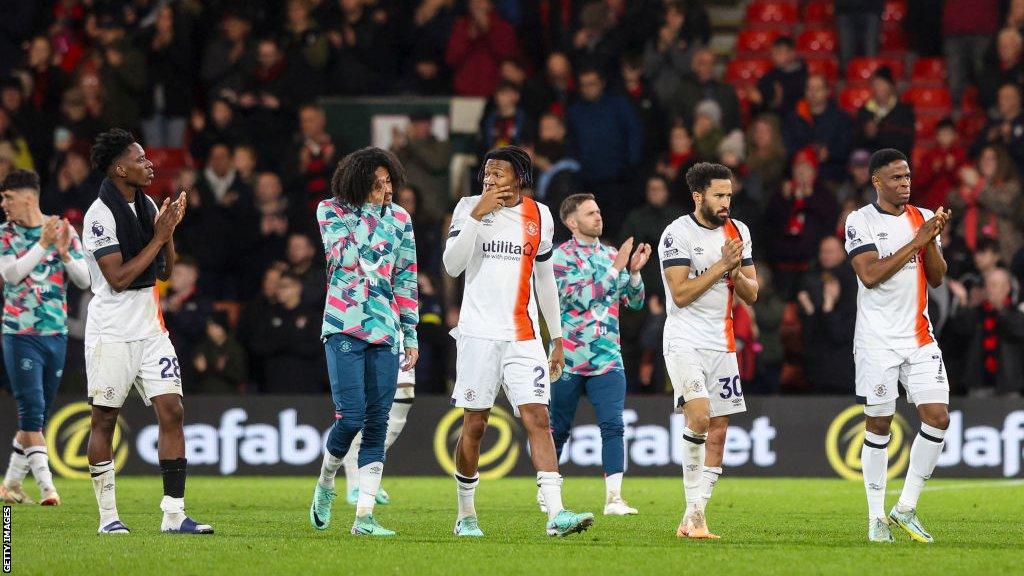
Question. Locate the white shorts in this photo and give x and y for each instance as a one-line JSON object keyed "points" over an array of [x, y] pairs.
{"points": [[114, 368], [710, 374], [920, 371], [483, 366]]}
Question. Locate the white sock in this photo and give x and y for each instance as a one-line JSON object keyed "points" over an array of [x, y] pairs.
{"points": [[18, 467], [465, 488], [39, 461], [103, 486], [613, 486], [329, 469], [173, 506], [396, 422], [708, 480], [550, 484], [924, 453], [874, 461], [351, 463], [693, 467], [369, 484]]}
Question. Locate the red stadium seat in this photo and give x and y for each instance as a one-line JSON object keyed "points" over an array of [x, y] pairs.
{"points": [[895, 11], [231, 309], [969, 103], [819, 12], [925, 122], [920, 149], [929, 71], [936, 99], [861, 69], [163, 185], [755, 41], [893, 41], [770, 12], [970, 125], [851, 99], [816, 42], [746, 70], [827, 67], [170, 159]]}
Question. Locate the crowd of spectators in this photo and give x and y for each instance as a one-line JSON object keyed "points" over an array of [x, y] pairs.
{"points": [[613, 97]]}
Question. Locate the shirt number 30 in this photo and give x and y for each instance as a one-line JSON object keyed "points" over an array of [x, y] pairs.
{"points": [[731, 387]]}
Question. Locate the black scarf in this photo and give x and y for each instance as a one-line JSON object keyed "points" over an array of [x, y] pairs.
{"points": [[134, 229]]}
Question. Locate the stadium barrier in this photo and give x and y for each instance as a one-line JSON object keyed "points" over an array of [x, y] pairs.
{"points": [[277, 435]]}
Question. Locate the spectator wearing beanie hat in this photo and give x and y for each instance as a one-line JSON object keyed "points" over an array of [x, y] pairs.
{"points": [[707, 130]]}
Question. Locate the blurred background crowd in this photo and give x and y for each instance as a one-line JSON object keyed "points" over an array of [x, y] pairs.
{"points": [[613, 97]]}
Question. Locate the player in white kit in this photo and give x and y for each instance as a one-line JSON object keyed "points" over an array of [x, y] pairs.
{"points": [[128, 246], [501, 239], [894, 249], [404, 395], [705, 262]]}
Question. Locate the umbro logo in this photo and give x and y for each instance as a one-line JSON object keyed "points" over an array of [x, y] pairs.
{"points": [[883, 235], [698, 250]]}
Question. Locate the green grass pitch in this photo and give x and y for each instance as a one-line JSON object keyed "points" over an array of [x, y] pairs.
{"points": [[768, 526]]}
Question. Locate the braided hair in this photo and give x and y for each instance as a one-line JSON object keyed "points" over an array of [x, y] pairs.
{"points": [[518, 158]]}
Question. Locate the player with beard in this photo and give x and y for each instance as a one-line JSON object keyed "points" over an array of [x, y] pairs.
{"points": [[593, 280], [705, 262]]}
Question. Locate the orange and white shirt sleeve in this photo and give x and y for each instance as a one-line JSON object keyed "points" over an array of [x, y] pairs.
{"points": [[894, 314]]}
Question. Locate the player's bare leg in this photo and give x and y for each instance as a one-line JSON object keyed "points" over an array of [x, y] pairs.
{"points": [[536, 420], [695, 434], [561, 521], [170, 416], [714, 450], [924, 454], [101, 468], [467, 458]]}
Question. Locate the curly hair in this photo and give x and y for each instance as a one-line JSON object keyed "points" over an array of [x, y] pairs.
{"points": [[517, 157], [355, 177], [18, 179], [700, 175], [109, 146]]}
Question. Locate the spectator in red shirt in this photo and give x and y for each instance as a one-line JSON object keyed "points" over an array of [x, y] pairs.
{"points": [[315, 156], [937, 174], [679, 157], [480, 41]]}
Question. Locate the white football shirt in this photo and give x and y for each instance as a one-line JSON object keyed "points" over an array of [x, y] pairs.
{"points": [[498, 302], [115, 316], [706, 323], [894, 314]]}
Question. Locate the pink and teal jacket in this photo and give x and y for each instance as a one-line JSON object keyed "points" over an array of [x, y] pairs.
{"points": [[371, 272], [590, 290]]}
